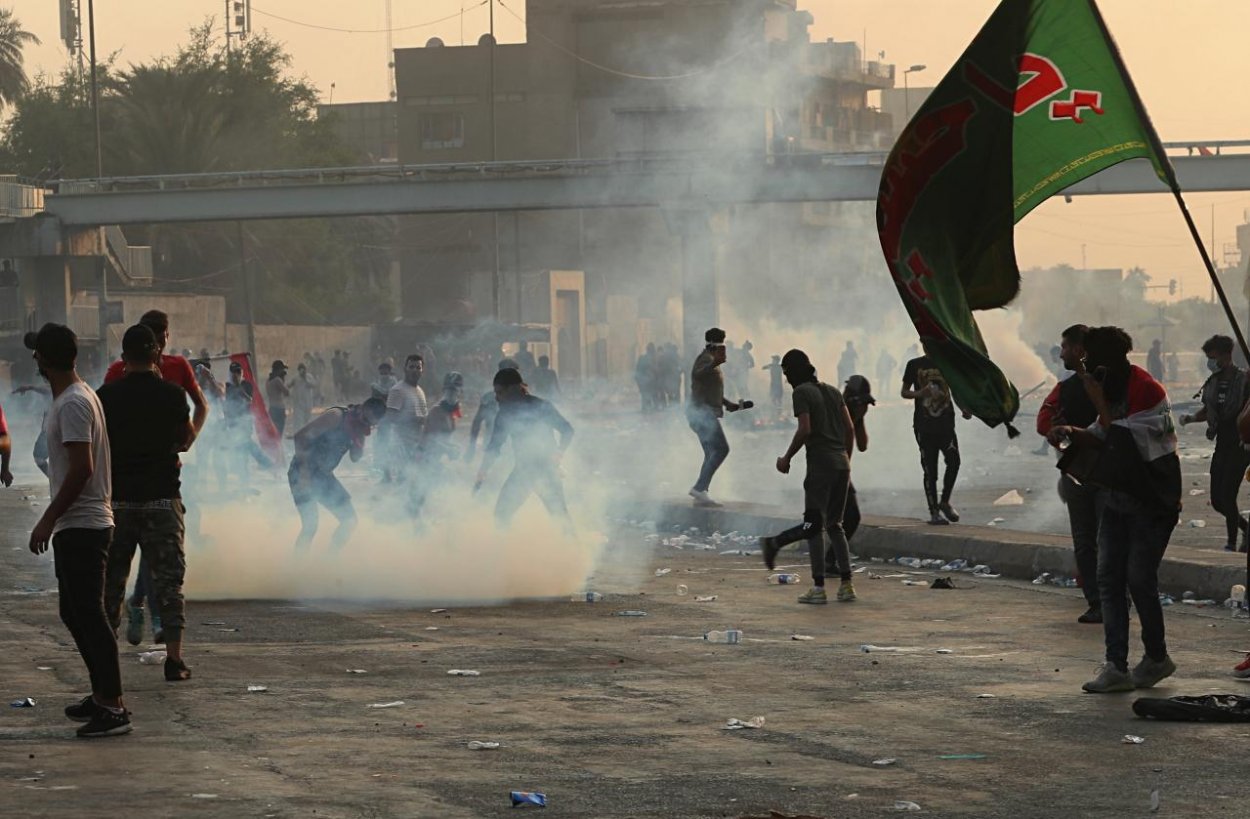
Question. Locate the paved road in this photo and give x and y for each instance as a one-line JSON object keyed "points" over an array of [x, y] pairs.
{"points": [[618, 716]]}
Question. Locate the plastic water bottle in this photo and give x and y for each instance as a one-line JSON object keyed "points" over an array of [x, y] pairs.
{"points": [[152, 657], [783, 579], [588, 597], [1238, 594], [731, 637], [910, 562]]}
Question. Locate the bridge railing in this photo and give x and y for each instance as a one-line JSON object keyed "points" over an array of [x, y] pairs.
{"points": [[19, 200]]}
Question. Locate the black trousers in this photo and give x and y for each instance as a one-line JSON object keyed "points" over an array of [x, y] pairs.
{"points": [[933, 444], [825, 491], [81, 559], [1228, 472]]}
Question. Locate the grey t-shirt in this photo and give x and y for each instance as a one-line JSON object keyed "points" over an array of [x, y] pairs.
{"points": [[829, 436]]}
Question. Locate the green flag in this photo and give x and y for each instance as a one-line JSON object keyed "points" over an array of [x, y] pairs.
{"points": [[1039, 101]]}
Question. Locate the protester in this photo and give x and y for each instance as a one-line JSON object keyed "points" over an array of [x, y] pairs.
{"points": [[484, 418], [240, 426], [39, 452], [826, 432], [885, 367], [668, 374], [1134, 442], [381, 388], [525, 360], [319, 447], [406, 410], [6, 451], [704, 410], [848, 363], [436, 445], [148, 425], [546, 384], [1223, 396], [79, 525], [775, 391], [532, 425], [303, 393], [858, 397], [1069, 404], [1154, 360], [276, 393], [645, 377], [934, 425]]}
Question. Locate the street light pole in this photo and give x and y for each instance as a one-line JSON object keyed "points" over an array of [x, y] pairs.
{"points": [[907, 90]]}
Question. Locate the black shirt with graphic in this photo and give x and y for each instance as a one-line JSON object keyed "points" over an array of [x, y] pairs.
{"points": [[935, 413]]}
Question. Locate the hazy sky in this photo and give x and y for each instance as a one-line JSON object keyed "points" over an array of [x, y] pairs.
{"points": [[1188, 57]]}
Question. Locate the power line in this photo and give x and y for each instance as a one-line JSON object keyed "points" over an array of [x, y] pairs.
{"points": [[607, 70], [365, 30]]}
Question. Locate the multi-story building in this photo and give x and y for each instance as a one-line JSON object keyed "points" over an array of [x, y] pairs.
{"points": [[610, 79]]}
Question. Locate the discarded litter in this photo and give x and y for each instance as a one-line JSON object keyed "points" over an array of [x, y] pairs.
{"points": [[588, 597], [662, 572], [869, 648], [43, 668], [214, 623], [1154, 801], [682, 590], [1197, 524], [431, 628], [737, 724], [914, 583], [1193, 493], [437, 611], [522, 798], [882, 763], [731, 636], [1166, 599], [24, 702], [903, 805], [203, 796], [394, 704], [963, 756], [631, 613], [1012, 498], [463, 672], [987, 696], [152, 657], [955, 566], [710, 598], [257, 689], [942, 583], [996, 521], [943, 651], [801, 637], [1130, 739], [356, 671], [479, 745], [783, 579], [910, 562]]}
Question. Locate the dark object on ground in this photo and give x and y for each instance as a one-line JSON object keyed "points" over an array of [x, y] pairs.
{"points": [[942, 583], [1208, 708]]}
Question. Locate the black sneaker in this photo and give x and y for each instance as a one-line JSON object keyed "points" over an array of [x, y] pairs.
{"points": [[936, 519], [770, 549], [82, 711], [105, 723], [951, 513], [1091, 615]]}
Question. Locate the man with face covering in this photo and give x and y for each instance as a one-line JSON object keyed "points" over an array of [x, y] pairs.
{"points": [[706, 407], [436, 445], [1068, 403], [1223, 396], [826, 432], [319, 447], [533, 425], [1134, 439]]}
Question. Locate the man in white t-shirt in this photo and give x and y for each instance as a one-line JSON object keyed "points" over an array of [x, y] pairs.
{"points": [[406, 410], [79, 525]]}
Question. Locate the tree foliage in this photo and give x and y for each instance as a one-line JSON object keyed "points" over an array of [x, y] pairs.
{"points": [[203, 111], [13, 80]]}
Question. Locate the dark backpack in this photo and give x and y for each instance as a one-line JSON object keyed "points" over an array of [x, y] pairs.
{"points": [[1208, 708]]}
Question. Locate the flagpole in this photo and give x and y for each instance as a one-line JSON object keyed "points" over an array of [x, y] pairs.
{"points": [[1215, 280]]}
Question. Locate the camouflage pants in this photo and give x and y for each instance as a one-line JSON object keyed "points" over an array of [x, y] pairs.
{"points": [[157, 529]]}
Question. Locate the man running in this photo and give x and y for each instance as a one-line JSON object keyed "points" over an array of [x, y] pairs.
{"points": [[79, 524], [934, 426], [529, 422], [319, 447], [826, 431], [706, 407], [484, 418], [148, 425]]}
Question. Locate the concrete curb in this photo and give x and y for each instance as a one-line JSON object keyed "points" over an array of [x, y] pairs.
{"points": [[1019, 555]]}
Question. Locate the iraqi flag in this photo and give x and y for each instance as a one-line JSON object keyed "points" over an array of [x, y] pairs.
{"points": [[266, 432]]}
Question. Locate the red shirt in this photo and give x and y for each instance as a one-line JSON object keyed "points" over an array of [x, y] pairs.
{"points": [[174, 368]]}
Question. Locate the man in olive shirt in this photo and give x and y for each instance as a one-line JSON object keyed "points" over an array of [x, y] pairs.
{"points": [[826, 431], [706, 407]]}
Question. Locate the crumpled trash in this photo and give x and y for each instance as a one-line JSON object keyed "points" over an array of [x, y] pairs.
{"points": [[356, 671], [1197, 524], [943, 651], [736, 724], [1193, 493], [801, 637], [463, 672], [480, 745], [1154, 801], [631, 613], [394, 704], [1012, 498], [955, 565], [257, 689], [914, 583], [662, 572], [705, 599], [522, 798], [24, 702], [1130, 739], [942, 583], [869, 648], [903, 805], [152, 657], [882, 763], [1166, 599]]}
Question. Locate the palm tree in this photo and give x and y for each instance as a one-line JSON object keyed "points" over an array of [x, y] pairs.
{"points": [[13, 81]]}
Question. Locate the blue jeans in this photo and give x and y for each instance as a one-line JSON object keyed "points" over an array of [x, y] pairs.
{"points": [[1131, 543], [707, 426]]}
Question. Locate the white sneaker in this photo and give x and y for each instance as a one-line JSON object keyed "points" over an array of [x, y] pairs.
{"points": [[702, 498]]}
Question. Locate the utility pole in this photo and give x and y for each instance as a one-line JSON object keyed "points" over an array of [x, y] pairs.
{"points": [[390, 55], [494, 157], [102, 269], [248, 298]]}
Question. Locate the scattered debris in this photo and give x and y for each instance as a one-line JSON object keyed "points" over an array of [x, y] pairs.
{"points": [[24, 702], [203, 796], [1154, 801], [1130, 739], [731, 636], [737, 724], [356, 671], [257, 689], [869, 648], [463, 672], [706, 599], [801, 637], [1012, 498], [588, 597], [942, 583], [521, 798], [987, 696], [882, 763], [431, 628], [1193, 493], [943, 651], [904, 805], [1197, 524], [914, 583], [662, 572], [394, 704], [631, 613], [152, 657], [479, 745], [437, 611], [963, 756]]}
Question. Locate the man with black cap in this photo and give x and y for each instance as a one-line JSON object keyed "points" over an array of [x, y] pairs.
{"points": [[530, 422], [276, 393], [858, 396], [706, 407], [79, 525], [173, 368], [148, 424], [487, 409], [826, 432], [319, 447]]}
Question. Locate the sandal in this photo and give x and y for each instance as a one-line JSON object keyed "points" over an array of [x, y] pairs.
{"points": [[176, 671]]}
